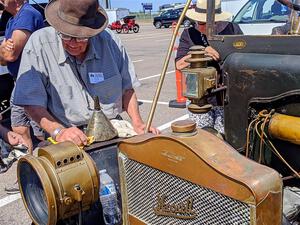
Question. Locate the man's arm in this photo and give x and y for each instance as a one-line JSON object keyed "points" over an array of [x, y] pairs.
{"points": [[49, 124], [130, 105], [11, 49]]}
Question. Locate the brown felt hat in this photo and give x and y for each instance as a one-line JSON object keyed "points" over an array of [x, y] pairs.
{"points": [[76, 18]]}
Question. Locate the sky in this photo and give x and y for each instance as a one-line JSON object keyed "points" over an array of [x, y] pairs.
{"points": [[133, 5], [136, 5]]}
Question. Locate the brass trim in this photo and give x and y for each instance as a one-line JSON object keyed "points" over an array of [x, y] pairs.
{"points": [[239, 44], [123, 188], [47, 187]]}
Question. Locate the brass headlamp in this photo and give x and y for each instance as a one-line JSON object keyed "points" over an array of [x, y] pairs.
{"points": [[198, 80], [59, 183]]}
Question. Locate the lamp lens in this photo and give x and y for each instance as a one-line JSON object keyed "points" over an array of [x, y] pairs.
{"points": [[34, 193], [190, 88]]}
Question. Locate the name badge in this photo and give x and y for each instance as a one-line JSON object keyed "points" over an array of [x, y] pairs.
{"points": [[96, 78]]}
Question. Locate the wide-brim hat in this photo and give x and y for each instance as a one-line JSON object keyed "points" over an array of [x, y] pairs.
{"points": [[199, 12], [76, 18]]}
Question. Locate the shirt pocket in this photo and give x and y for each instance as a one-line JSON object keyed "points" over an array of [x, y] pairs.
{"points": [[109, 91]]}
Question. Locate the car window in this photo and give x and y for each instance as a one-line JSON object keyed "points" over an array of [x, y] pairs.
{"points": [[263, 11], [176, 12], [166, 14], [247, 13]]}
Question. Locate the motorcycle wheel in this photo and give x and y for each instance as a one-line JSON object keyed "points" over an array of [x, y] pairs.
{"points": [[136, 28], [119, 30]]}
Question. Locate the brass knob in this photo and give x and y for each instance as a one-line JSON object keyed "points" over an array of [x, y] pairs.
{"points": [[183, 126]]}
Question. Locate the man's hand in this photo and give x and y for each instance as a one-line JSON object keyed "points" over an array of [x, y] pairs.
{"points": [[210, 51], [15, 139], [72, 134], [8, 45], [140, 129], [181, 63]]}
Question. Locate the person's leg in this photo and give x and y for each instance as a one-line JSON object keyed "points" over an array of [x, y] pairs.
{"points": [[202, 119], [219, 119]]}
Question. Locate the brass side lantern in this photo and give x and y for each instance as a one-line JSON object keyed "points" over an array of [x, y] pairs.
{"points": [[198, 80], [61, 182]]}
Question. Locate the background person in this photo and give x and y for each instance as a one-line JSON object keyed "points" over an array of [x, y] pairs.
{"points": [[67, 64], [196, 36], [7, 138], [24, 22]]}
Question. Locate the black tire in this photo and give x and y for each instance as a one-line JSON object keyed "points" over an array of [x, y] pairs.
{"points": [[136, 28], [186, 23], [166, 26], [158, 24], [125, 29], [119, 30]]}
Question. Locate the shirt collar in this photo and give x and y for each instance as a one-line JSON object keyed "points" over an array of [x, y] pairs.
{"points": [[92, 53]]}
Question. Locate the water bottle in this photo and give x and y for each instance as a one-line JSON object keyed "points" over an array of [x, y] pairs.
{"points": [[108, 198]]}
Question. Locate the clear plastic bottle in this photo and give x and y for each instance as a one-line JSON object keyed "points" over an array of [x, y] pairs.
{"points": [[108, 198]]}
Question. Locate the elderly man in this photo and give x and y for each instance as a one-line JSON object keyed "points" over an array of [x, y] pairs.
{"points": [[65, 65], [24, 22]]}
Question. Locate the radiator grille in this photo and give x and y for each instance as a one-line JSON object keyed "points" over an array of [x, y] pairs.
{"points": [[145, 183]]}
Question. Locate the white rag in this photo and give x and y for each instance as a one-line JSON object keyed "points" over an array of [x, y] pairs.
{"points": [[124, 128]]}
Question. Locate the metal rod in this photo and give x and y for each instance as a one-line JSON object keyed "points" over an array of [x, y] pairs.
{"points": [[165, 67], [5, 110], [210, 18]]}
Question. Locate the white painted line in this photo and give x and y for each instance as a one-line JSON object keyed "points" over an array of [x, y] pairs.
{"points": [[161, 40], [9, 199], [140, 60], [148, 101], [157, 75], [167, 125], [147, 37]]}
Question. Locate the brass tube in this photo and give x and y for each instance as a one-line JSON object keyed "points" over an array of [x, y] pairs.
{"points": [[165, 67], [286, 128]]}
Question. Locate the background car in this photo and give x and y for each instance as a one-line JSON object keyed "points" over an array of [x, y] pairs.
{"points": [[166, 18], [259, 17]]}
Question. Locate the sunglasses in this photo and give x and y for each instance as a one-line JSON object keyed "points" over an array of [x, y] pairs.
{"points": [[69, 38]]}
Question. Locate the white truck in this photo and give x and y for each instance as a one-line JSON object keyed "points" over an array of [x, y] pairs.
{"points": [[116, 14]]}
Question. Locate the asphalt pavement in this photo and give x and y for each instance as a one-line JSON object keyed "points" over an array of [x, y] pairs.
{"points": [[147, 50]]}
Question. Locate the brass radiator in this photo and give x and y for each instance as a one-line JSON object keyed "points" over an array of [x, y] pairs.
{"points": [[195, 180]]}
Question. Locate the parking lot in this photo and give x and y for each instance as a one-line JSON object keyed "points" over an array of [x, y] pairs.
{"points": [[147, 49]]}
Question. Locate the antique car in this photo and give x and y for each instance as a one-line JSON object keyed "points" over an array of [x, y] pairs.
{"points": [[128, 24]]}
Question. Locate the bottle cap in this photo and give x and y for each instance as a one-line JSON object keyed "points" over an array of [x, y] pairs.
{"points": [[103, 171]]}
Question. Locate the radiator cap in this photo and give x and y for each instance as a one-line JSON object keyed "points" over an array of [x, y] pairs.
{"points": [[183, 127]]}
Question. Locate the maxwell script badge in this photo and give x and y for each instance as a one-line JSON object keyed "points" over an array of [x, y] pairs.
{"points": [[182, 210], [96, 78]]}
